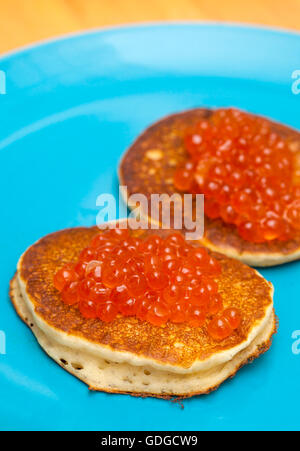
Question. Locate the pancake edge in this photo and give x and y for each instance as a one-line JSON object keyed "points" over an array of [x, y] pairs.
{"points": [[256, 349], [106, 352]]}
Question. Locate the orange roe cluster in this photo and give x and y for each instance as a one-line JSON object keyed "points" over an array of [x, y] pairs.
{"points": [[248, 174], [222, 325], [155, 279]]}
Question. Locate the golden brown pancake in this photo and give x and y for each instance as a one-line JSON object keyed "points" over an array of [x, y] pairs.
{"points": [[133, 356], [149, 165]]}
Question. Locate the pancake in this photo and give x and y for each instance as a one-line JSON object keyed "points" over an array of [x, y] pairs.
{"points": [[132, 356], [149, 165]]}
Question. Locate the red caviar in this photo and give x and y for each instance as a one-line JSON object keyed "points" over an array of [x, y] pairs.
{"points": [[222, 325], [155, 279], [247, 172]]}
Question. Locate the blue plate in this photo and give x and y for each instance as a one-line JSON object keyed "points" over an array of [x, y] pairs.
{"points": [[72, 106]]}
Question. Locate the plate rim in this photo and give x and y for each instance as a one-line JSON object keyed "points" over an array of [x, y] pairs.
{"points": [[239, 26]]}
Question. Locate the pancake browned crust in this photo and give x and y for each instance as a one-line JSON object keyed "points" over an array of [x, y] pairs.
{"points": [[171, 351], [148, 167]]}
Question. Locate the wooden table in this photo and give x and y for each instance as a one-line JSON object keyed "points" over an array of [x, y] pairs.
{"points": [[26, 21]]}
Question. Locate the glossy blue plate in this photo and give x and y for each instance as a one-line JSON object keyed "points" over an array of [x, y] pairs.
{"points": [[72, 106]]}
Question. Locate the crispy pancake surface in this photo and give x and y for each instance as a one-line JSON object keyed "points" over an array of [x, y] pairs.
{"points": [[177, 359], [149, 165]]}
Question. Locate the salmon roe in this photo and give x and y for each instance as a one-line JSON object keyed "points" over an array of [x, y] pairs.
{"points": [[247, 172], [222, 325], [153, 278]]}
